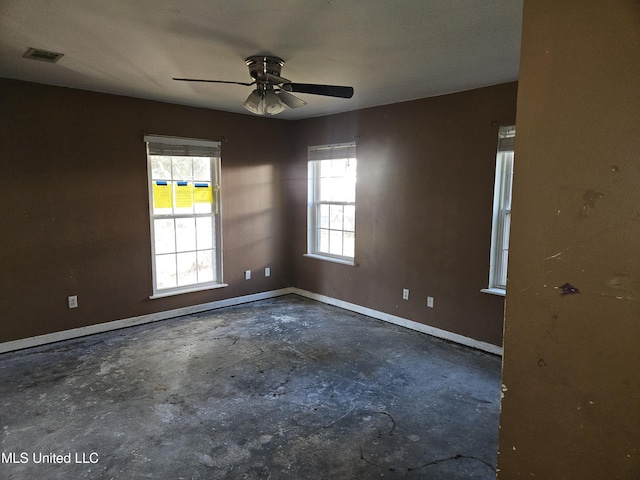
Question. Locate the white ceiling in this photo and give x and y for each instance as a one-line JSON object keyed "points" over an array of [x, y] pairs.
{"points": [[389, 51]]}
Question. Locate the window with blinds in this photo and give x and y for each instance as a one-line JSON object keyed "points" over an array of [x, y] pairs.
{"points": [[502, 209], [332, 202], [184, 206]]}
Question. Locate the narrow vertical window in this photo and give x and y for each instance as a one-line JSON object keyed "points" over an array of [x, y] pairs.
{"points": [[184, 207], [502, 211], [332, 202]]}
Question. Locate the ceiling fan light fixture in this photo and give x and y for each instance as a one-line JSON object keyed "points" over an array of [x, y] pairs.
{"points": [[254, 103], [272, 103], [264, 102]]}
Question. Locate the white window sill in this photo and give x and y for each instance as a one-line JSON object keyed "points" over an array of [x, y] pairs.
{"points": [[342, 261], [188, 289], [495, 291]]}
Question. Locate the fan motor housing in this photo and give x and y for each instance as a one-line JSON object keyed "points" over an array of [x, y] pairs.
{"points": [[260, 65]]}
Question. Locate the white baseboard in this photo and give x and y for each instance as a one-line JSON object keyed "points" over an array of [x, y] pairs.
{"points": [[403, 322], [154, 317], [130, 322]]}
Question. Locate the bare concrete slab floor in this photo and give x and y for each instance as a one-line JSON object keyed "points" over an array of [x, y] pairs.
{"points": [[285, 388]]}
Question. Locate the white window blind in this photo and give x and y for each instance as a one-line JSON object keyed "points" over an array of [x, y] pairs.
{"points": [[181, 147], [330, 152]]}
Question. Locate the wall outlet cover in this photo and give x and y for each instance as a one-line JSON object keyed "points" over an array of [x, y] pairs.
{"points": [[73, 301]]}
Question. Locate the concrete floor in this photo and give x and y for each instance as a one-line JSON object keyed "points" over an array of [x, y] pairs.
{"points": [[285, 388]]}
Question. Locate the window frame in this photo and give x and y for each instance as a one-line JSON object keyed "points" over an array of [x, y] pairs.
{"points": [[200, 148], [501, 220], [315, 155]]}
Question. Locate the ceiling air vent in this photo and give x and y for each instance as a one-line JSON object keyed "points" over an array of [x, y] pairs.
{"points": [[43, 55]]}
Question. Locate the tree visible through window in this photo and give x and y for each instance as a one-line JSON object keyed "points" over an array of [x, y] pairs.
{"points": [[332, 202], [184, 201]]}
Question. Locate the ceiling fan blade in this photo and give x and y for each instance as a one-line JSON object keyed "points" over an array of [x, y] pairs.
{"points": [[289, 100], [275, 79], [326, 90], [212, 81]]}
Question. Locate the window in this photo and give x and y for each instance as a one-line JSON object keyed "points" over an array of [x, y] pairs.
{"points": [[501, 211], [184, 205], [332, 202]]}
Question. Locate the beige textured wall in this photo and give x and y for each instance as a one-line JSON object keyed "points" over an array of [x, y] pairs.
{"points": [[571, 407]]}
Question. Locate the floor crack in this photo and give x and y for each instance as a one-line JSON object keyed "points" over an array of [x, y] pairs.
{"points": [[448, 459], [274, 390]]}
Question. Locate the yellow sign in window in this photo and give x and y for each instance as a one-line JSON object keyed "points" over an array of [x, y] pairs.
{"points": [[203, 193], [162, 197], [184, 195]]}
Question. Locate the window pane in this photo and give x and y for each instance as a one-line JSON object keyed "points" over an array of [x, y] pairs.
{"points": [[507, 179], [338, 186], [326, 190], [160, 167], [351, 168], [325, 168], [165, 271], [165, 238], [324, 216], [349, 242], [338, 167], [205, 266], [349, 189], [349, 218], [202, 207], [335, 242], [506, 228], [323, 240], [202, 169], [204, 233], [185, 234], [182, 168], [335, 217], [502, 270], [187, 268]]}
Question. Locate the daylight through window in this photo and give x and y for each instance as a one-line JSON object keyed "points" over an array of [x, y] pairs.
{"points": [[184, 204], [502, 210], [332, 202]]}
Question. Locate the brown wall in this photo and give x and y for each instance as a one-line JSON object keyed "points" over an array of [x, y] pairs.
{"points": [[571, 362], [424, 205], [75, 209], [74, 205]]}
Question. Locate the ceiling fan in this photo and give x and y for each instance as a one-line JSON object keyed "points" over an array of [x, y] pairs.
{"points": [[272, 91]]}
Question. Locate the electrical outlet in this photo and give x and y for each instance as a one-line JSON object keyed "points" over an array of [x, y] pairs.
{"points": [[73, 301], [247, 274], [430, 302], [405, 294], [267, 272]]}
